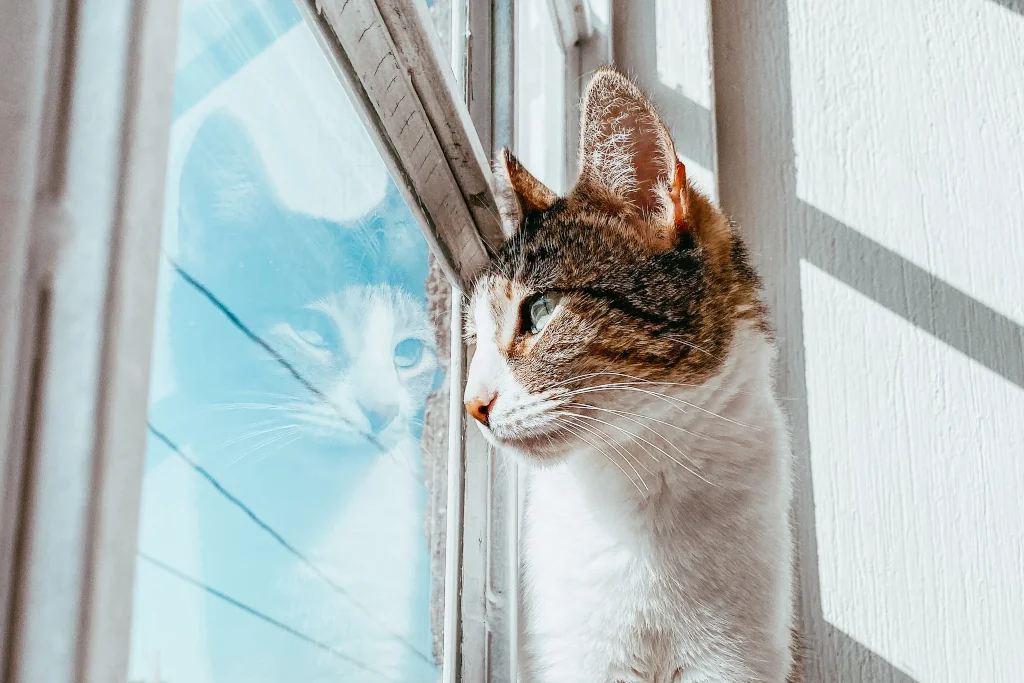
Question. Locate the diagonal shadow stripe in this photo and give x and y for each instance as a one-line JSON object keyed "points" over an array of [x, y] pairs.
{"points": [[861, 663], [690, 122], [913, 293], [1012, 5], [754, 114], [921, 298]]}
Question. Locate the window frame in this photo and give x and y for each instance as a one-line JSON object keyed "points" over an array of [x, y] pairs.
{"points": [[87, 107]]}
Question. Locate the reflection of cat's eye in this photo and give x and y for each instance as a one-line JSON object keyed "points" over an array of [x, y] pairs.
{"points": [[537, 311], [317, 329], [408, 353], [313, 338]]}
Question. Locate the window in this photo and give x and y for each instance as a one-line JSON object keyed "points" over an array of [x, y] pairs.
{"points": [[284, 533], [253, 213]]}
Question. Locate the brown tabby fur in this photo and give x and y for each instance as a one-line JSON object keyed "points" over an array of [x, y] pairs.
{"points": [[651, 307]]}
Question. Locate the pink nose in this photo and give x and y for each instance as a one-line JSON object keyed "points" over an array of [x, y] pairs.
{"points": [[480, 408]]}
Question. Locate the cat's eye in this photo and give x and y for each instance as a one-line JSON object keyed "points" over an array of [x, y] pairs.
{"points": [[408, 353], [312, 338], [317, 329], [537, 311]]}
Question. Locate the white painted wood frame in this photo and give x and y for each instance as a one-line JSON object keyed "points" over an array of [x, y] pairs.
{"points": [[85, 112], [390, 59]]}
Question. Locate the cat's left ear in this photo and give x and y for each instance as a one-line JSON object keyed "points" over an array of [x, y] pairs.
{"points": [[517, 192], [627, 158]]}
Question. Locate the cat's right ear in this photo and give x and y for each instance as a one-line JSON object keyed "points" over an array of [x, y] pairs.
{"points": [[517, 192], [223, 177]]}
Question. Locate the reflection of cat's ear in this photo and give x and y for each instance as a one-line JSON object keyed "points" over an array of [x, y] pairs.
{"points": [[223, 177], [627, 158], [517, 192]]}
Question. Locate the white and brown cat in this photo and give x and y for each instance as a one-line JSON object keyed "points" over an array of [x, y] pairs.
{"points": [[623, 351]]}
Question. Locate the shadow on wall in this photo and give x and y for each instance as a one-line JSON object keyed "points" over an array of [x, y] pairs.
{"points": [[755, 133], [856, 663], [1012, 5]]}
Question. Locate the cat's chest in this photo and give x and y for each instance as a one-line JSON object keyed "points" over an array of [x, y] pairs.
{"points": [[598, 605]]}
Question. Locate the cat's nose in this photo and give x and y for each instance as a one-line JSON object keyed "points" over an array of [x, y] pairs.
{"points": [[380, 416], [480, 408]]}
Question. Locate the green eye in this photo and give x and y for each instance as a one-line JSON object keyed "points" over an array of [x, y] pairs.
{"points": [[537, 311]]}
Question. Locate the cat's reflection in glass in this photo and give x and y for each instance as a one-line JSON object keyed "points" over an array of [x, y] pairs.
{"points": [[302, 357]]}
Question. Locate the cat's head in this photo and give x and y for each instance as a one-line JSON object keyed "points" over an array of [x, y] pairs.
{"points": [[371, 351], [274, 268], [631, 278]]}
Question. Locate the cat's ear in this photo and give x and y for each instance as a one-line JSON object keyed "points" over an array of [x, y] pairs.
{"points": [[223, 177], [627, 158], [517, 192]]}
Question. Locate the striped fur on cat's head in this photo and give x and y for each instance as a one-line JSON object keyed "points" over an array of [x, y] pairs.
{"points": [[632, 277]]}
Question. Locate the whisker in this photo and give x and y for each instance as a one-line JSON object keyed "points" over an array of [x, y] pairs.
{"points": [[266, 394], [580, 436], [660, 450], [264, 444], [407, 466], [641, 380], [695, 347], [224, 407], [636, 439], [625, 413], [630, 386], [618, 449], [253, 434], [280, 447]]}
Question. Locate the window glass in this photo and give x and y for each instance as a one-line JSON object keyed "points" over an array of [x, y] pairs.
{"points": [[293, 501], [540, 94], [441, 15]]}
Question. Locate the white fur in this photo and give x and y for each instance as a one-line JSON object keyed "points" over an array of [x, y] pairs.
{"points": [[374, 548], [637, 569]]}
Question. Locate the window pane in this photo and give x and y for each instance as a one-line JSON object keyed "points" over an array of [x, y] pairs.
{"points": [[441, 13], [293, 502], [541, 94]]}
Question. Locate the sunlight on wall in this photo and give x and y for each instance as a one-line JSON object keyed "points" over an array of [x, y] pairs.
{"points": [[683, 45], [681, 83], [907, 126], [917, 471]]}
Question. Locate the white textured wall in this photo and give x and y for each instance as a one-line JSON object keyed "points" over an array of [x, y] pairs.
{"points": [[873, 152]]}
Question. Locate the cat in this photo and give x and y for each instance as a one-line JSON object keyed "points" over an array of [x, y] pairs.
{"points": [[265, 263], [623, 352], [338, 471], [372, 348]]}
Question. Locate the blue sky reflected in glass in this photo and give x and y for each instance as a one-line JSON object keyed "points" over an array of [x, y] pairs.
{"points": [[282, 535]]}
